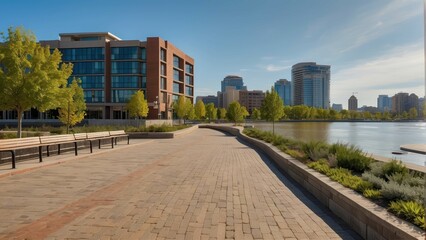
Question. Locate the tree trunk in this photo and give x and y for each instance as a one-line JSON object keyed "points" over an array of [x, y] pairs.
{"points": [[20, 115], [273, 128]]}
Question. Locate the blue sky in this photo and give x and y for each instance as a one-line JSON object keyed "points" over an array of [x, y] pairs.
{"points": [[373, 47]]}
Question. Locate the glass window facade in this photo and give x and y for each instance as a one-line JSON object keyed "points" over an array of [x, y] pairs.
{"points": [[176, 75], [188, 91], [176, 61], [94, 96], [78, 54], [125, 67], [163, 54], [163, 83], [189, 68], [88, 68], [143, 53], [125, 81], [189, 80], [176, 87], [143, 84], [143, 68], [90, 81], [120, 53], [163, 69], [121, 96]]}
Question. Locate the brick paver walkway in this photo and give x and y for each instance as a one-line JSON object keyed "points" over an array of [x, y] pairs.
{"points": [[202, 185]]}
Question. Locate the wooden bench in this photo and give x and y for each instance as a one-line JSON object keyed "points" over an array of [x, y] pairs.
{"points": [[10, 145], [99, 136], [119, 134], [58, 140]]}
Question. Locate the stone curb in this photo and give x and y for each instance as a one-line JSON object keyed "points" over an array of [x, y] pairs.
{"points": [[368, 219]]}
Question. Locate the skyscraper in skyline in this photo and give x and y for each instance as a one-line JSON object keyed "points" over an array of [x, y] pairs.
{"points": [[283, 88], [384, 103], [311, 85], [353, 103], [232, 80]]}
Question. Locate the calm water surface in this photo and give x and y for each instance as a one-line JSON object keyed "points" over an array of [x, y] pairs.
{"points": [[378, 138]]}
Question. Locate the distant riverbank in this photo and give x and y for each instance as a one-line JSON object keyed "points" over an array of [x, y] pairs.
{"points": [[377, 138]]}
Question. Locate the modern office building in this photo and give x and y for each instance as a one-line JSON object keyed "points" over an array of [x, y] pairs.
{"points": [[251, 99], [403, 102], [112, 69], [283, 88], [337, 107], [311, 85], [384, 103], [232, 80], [208, 99], [230, 95], [353, 103]]}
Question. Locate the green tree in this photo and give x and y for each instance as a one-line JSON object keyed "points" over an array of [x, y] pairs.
{"points": [[378, 116], [221, 113], [182, 108], [272, 108], [191, 111], [424, 109], [211, 111], [200, 110], [31, 76], [138, 105], [366, 115], [344, 114], [256, 115], [412, 113], [73, 106], [333, 114], [236, 113]]}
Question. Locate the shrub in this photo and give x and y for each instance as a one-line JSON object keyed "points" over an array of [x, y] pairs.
{"points": [[320, 166], [296, 154], [393, 191], [409, 210], [315, 150], [393, 167], [332, 160], [350, 157], [372, 193], [376, 168], [376, 181]]}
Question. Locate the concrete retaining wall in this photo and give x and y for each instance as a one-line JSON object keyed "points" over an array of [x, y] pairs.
{"points": [[368, 219]]}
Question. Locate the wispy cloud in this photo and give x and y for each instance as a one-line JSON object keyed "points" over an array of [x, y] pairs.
{"points": [[401, 69], [276, 68], [371, 24]]}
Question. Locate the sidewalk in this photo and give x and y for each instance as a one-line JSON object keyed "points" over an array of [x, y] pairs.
{"points": [[202, 185]]}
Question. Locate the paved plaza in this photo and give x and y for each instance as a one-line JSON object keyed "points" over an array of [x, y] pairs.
{"points": [[202, 185]]}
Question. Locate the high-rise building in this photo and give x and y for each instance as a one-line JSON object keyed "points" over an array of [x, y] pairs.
{"points": [[400, 102], [208, 99], [384, 103], [112, 69], [235, 81], [413, 102], [251, 99], [283, 88], [353, 103], [337, 107], [230, 95], [311, 85]]}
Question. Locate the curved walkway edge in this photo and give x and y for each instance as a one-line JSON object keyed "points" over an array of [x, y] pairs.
{"points": [[368, 219]]}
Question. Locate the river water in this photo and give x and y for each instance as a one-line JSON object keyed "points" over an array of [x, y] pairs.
{"points": [[377, 138]]}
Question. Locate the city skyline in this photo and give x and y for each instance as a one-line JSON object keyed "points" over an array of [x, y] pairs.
{"points": [[373, 48]]}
